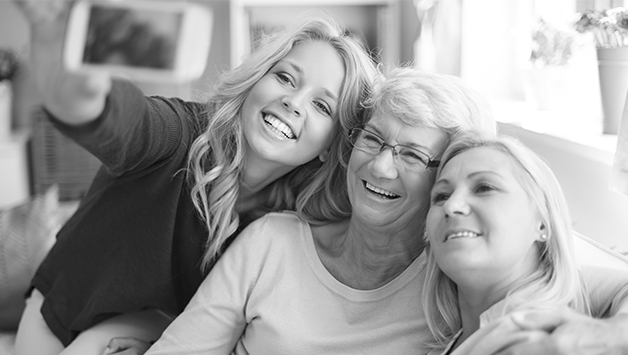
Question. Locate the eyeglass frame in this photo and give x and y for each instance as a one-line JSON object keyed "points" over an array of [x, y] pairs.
{"points": [[431, 163]]}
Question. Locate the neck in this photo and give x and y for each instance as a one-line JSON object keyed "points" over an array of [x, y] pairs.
{"points": [[477, 292], [363, 258], [475, 300], [257, 174], [469, 316]]}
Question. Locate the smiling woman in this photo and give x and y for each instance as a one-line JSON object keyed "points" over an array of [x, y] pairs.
{"points": [[499, 240], [188, 176]]}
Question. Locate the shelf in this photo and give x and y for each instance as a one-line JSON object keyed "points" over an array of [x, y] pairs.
{"points": [[377, 22]]}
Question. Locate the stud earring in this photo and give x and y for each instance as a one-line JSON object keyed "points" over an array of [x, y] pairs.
{"points": [[543, 237]]}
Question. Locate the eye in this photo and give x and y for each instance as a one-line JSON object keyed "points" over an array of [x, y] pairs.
{"points": [[439, 197], [322, 106], [412, 155], [484, 187], [371, 139], [285, 78]]}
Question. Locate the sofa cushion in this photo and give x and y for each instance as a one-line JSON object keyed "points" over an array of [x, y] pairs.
{"points": [[27, 232], [590, 252]]}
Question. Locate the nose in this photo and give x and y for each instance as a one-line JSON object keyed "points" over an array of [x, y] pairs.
{"points": [[292, 103], [383, 164], [456, 205]]}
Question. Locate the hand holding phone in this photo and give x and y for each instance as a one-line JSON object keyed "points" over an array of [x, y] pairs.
{"points": [[150, 41], [74, 98]]}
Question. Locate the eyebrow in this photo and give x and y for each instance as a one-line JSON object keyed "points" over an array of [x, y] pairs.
{"points": [[470, 176], [299, 70], [409, 144]]}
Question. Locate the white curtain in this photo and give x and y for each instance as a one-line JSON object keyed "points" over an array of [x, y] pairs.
{"points": [[437, 47]]}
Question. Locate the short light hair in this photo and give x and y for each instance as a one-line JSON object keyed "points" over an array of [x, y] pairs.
{"points": [[556, 282], [421, 98]]}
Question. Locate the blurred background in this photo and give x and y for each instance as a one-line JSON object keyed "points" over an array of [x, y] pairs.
{"points": [[535, 60]]}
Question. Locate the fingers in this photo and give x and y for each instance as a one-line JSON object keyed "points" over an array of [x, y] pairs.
{"points": [[126, 345], [537, 347], [43, 12], [496, 344], [541, 319]]}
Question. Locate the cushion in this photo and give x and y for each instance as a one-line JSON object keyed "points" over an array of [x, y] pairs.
{"points": [[590, 252], [27, 232]]}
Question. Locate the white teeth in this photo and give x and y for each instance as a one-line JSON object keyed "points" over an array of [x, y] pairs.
{"points": [[463, 234], [279, 126], [381, 191]]}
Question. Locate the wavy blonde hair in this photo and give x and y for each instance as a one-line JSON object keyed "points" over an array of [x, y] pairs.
{"points": [[217, 154], [556, 282]]}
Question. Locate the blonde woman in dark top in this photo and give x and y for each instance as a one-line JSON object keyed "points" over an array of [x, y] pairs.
{"points": [[180, 178]]}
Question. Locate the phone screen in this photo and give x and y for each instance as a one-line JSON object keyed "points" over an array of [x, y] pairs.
{"points": [[130, 37]]}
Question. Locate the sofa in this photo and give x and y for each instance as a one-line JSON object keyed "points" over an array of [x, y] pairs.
{"points": [[41, 218]]}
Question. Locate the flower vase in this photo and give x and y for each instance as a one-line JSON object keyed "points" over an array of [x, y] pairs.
{"points": [[6, 98], [613, 70]]}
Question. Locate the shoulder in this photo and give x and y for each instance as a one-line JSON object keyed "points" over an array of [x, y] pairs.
{"points": [[272, 229], [267, 243], [607, 288]]}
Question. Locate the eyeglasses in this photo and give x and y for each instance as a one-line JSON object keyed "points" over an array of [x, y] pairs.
{"points": [[372, 143]]}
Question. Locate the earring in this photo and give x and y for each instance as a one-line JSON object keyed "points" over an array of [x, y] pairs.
{"points": [[543, 237]]}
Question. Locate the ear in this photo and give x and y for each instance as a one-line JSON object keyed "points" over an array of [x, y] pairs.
{"points": [[542, 233], [324, 155]]}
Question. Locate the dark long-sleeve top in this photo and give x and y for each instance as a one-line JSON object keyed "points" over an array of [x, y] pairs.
{"points": [[136, 240]]}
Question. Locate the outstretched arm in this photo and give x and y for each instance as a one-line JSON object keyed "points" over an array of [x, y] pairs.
{"points": [[571, 333], [75, 98], [577, 334]]}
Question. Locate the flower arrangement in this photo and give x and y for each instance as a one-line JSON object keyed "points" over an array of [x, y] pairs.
{"points": [[609, 27], [551, 45], [9, 64]]}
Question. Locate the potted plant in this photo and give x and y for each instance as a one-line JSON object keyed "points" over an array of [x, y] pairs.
{"points": [[609, 28], [548, 73]]}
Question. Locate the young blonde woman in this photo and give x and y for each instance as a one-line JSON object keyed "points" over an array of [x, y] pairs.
{"points": [[180, 178], [499, 240]]}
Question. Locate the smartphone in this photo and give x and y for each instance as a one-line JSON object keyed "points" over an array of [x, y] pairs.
{"points": [[156, 40]]}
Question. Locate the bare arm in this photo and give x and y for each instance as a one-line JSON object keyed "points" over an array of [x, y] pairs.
{"points": [[75, 98], [576, 334], [570, 333]]}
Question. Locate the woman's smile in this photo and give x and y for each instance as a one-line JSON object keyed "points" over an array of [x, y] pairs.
{"points": [[380, 192], [278, 127]]}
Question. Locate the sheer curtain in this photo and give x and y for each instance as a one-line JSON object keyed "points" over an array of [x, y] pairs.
{"points": [[437, 47]]}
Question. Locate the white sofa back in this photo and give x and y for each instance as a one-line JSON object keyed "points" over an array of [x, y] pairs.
{"points": [[590, 252]]}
